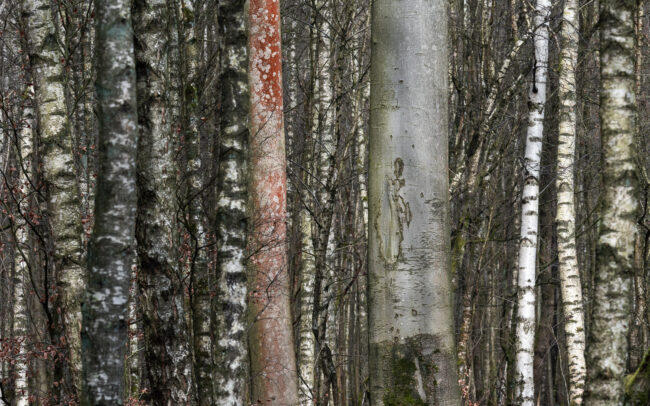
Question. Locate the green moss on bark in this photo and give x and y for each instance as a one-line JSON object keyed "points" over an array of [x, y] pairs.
{"points": [[403, 391], [637, 385], [408, 371]]}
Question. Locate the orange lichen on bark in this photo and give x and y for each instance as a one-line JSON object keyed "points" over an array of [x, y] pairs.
{"points": [[272, 355]]}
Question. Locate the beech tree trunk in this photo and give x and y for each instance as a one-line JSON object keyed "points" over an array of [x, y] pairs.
{"points": [[412, 351], [611, 317], [525, 332], [112, 244], [273, 364]]}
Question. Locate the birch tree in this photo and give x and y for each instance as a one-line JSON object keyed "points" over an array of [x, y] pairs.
{"points": [[22, 279], [611, 317], [20, 328], [231, 347], [273, 364], [412, 352], [185, 79], [525, 332], [571, 289], [322, 207], [111, 247], [306, 336], [167, 355], [56, 154]]}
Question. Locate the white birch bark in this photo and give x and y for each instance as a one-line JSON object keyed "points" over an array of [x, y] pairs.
{"points": [[322, 185], [111, 247], [58, 163], [166, 338], [20, 323], [571, 289], [21, 279], [412, 351], [307, 345], [307, 334], [360, 102], [525, 333], [231, 353], [133, 381], [612, 311]]}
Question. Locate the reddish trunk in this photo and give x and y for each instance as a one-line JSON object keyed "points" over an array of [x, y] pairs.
{"points": [[273, 365]]}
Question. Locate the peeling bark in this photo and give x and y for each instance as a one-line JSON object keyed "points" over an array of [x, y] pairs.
{"points": [[273, 364]]}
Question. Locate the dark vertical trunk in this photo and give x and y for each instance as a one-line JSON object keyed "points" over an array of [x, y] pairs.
{"points": [[111, 248]]}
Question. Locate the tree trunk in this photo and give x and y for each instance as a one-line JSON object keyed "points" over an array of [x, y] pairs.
{"points": [[306, 351], [273, 365], [231, 352], [56, 154], [570, 286], [307, 368], [111, 247], [612, 306], [525, 334], [412, 352], [167, 354], [21, 282]]}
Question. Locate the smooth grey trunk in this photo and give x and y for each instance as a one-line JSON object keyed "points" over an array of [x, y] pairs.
{"points": [[412, 350], [611, 318], [231, 353], [168, 363], [112, 244]]}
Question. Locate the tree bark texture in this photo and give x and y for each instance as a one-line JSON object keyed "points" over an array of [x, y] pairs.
{"points": [[58, 163], [112, 244], [525, 332], [412, 351], [231, 351], [570, 286], [607, 346], [168, 363], [273, 364]]}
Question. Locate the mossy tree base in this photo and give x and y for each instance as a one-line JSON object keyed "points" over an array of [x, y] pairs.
{"points": [[409, 370]]}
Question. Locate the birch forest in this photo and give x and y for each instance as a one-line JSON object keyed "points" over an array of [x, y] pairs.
{"points": [[325, 202]]}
